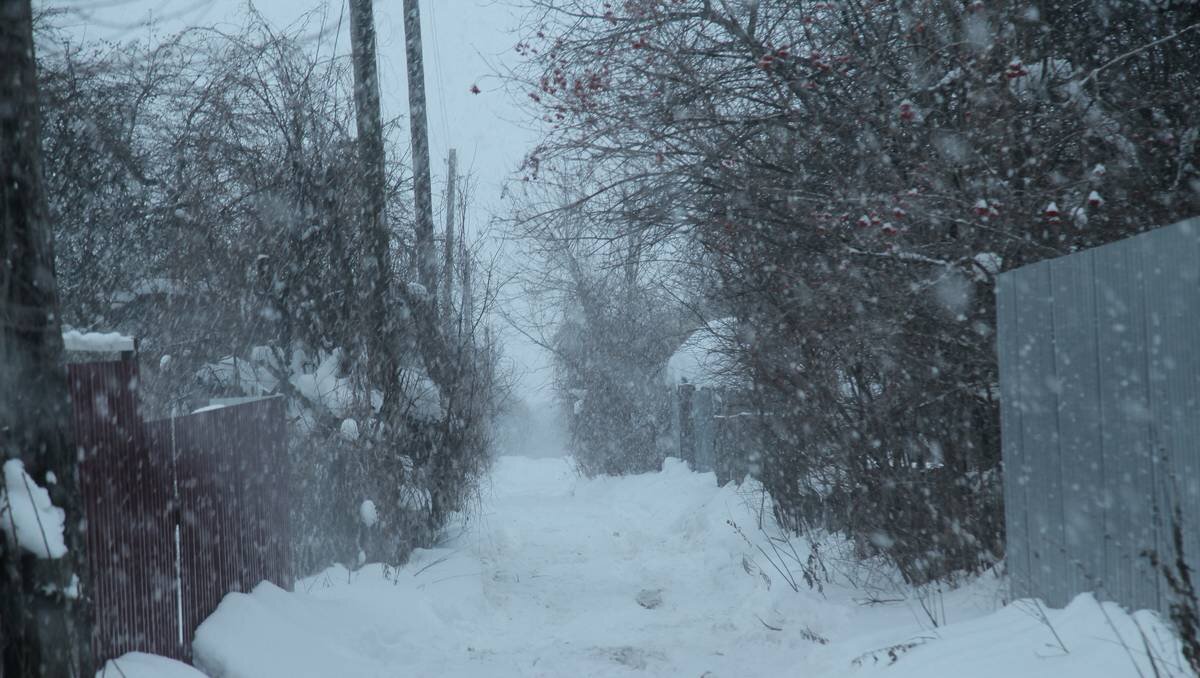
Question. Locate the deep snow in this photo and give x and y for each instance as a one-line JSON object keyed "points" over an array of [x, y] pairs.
{"points": [[644, 576]]}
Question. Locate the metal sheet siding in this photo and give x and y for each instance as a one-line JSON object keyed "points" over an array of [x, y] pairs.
{"points": [[1100, 388], [231, 470]]}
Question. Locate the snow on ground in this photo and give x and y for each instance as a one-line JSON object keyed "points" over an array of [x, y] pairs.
{"points": [[142, 665], [644, 576]]}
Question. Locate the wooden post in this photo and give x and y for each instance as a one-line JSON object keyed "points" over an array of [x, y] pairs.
{"points": [[43, 631], [702, 407], [448, 270], [422, 189], [687, 424]]}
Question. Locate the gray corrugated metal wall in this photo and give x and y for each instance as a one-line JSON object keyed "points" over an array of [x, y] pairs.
{"points": [[1100, 415]]}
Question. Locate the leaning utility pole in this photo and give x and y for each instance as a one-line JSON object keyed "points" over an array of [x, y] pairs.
{"points": [[448, 270], [44, 624], [382, 333], [426, 262]]}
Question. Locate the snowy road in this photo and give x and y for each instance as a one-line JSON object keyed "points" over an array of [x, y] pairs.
{"points": [[547, 582]]}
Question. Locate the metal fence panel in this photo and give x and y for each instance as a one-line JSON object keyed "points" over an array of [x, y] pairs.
{"points": [[1077, 383], [1037, 400], [1171, 267], [210, 487], [1100, 384], [1126, 419], [1017, 470], [129, 526]]}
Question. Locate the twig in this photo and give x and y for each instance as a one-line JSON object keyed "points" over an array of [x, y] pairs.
{"points": [[808, 634], [773, 628], [439, 560], [1136, 50], [1149, 651], [1041, 617], [1120, 639], [893, 651], [456, 576], [880, 601]]}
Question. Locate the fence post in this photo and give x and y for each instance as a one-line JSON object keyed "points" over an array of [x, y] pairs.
{"points": [[721, 443], [703, 411], [687, 424]]}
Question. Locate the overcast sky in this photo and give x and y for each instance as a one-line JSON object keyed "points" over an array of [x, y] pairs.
{"points": [[466, 43]]}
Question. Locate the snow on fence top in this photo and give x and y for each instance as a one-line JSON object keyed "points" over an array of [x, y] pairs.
{"points": [[97, 342]]}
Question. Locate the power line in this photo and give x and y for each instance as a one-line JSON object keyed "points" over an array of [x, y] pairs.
{"points": [[437, 65]]}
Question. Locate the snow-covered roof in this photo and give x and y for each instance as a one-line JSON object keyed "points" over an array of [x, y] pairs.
{"points": [[703, 358]]}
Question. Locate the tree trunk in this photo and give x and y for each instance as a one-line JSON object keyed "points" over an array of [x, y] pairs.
{"points": [[43, 632]]}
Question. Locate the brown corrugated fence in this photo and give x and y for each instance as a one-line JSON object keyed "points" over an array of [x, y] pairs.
{"points": [[179, 511]]}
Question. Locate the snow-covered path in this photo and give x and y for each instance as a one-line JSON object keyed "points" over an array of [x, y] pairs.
{"points": [[547, 581]]}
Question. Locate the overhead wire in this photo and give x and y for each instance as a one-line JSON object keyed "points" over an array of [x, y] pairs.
{"points": [[441, 79]]}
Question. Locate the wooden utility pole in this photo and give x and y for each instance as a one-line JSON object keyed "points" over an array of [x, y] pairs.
{"points": [[426, 258], [43, 631], [382, 333], [448, 270]]}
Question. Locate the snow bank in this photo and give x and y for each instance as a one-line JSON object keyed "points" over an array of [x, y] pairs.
{"points": [[27, 512], [557, 576], [1085, 640], [98, 342], [141, 665]]}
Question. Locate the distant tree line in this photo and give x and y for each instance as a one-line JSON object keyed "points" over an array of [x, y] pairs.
{"points": [[845, 179]]}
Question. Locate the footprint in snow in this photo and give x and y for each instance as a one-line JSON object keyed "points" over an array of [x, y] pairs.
{"points": [[649, 598], [633, 657]]}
